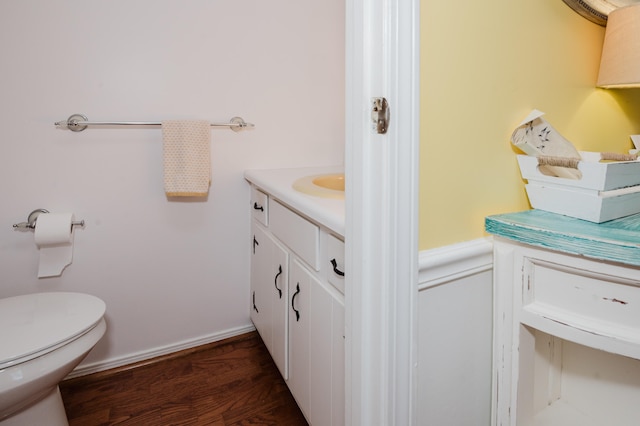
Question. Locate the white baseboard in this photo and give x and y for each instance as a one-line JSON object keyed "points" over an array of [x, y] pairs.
{"points": [[84, 369], [456, 261]]}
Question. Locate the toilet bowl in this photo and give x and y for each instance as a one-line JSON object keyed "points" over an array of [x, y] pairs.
{"points": [[43, 337]]}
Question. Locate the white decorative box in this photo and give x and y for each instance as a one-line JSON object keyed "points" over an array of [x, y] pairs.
{"points": [[605, 191]]}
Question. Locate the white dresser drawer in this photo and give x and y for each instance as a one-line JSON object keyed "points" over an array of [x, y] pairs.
{"points": [[260, 206], [581, 305], [335, 262], [300, 235]]}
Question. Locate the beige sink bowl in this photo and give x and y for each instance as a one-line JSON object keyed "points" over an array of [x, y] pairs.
{"points": [[327, 186]]}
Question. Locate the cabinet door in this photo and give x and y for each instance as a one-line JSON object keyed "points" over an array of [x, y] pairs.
{"points": [[299, 320], [260, 309], [316, 348], [278, 278], [337, 365], [320, 354], [269, 273]]}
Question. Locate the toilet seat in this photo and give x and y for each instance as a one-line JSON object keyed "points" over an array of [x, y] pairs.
{"points": [[34, 324]]}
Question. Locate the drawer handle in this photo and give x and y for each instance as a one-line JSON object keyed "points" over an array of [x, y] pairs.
{"points": [[275, 281], [257, 207], [293, 298], [254, 303], [335, 268]]}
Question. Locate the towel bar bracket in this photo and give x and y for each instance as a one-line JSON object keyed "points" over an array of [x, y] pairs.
{"points": [[239, 124], [72, 123]]}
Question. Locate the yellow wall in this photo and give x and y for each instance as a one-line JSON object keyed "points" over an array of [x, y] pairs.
{"points": [[484, 66]]}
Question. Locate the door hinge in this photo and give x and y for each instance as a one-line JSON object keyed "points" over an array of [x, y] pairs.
{"points": [[380, 114]]}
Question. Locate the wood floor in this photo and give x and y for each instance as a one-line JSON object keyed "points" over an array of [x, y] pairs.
{"points": [[232, 382]]}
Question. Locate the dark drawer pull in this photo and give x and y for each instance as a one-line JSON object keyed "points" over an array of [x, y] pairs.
{"points": [[335, 268], [257, 207]]}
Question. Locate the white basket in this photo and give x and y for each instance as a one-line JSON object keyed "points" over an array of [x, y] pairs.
{"points": [[606, 191], [594, 206], [595, 175]]}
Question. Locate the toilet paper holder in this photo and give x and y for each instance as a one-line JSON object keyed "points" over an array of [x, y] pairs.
{"points": [[33, 217]]}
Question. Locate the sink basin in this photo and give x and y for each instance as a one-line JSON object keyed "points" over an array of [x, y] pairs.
{"points": [[328, 185], [334, 181]]}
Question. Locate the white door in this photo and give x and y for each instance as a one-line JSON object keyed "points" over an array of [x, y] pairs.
{"points": [[381, 228]]}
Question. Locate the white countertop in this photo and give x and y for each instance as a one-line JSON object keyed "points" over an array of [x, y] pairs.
{"points": [[327, 212]]}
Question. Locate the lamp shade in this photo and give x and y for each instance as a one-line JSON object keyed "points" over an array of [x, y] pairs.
{"points": [[620, 62]]}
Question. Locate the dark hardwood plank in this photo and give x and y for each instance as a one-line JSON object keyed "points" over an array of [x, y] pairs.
{"points": [[231, 382]]}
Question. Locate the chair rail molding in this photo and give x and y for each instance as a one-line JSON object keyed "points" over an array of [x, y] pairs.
{"points": [[449, 263]]}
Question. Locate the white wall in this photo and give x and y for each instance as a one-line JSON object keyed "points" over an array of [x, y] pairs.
{"points": [[169, 272], [455, 319]]}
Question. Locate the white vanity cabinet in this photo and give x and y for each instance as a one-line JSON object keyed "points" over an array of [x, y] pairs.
{"points": [[297, 304], [566, 320]]}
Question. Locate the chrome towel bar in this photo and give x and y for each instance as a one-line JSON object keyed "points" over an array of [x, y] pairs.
{"points": [[79, 122]]}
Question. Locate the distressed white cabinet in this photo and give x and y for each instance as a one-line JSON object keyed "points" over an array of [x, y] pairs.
{"points": [[566, 320], [297, 305]]}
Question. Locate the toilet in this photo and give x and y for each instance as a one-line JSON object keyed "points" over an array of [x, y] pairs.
{"points": [[43, 337]]}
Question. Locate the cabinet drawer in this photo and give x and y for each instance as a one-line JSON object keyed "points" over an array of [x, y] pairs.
{"points": [[335, 262], [260, 206], [573, 298], [300, 235]]}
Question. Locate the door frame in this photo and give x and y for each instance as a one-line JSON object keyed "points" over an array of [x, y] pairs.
{"points": [[382, 59]]}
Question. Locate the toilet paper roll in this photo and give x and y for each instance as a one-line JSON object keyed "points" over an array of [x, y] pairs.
{"points": [[54, 238]]}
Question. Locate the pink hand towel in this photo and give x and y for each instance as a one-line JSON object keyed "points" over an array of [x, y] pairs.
{"points": [[186, 146]]}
